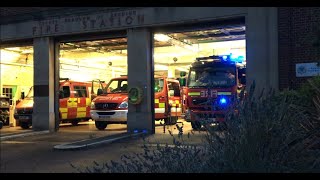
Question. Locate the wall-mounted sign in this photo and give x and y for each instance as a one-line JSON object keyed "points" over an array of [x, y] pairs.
{"points": [[307, 69], [88, 23]]}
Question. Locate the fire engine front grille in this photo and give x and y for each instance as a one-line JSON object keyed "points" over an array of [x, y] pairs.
{"points": [[209, 115], [106, 105], [202, 101], [24, 111], [106, 113], [206, 104]]}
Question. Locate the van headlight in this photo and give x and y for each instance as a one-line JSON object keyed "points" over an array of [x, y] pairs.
{"points": [[92, 105], [124, 104]]}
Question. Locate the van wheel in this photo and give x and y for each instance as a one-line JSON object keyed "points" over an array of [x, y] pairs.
{"points": [[171, 121], [195, 125], [24, 125], [74, 122], [101, 125]]}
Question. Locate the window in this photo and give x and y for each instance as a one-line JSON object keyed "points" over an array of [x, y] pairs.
{"points": [[64, 92], [173, 86], [158, 85], [8, 93], [118, 86], [80, 91]]}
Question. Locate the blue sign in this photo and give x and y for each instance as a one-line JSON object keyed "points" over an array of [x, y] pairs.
{"points": [[307, 69]]}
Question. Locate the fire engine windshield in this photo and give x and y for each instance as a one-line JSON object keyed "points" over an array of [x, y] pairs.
{"points": [[212, 77], [30, 93], [118, 86]]}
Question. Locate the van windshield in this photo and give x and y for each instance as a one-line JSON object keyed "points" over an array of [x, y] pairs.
{"points": [[118, 86]]}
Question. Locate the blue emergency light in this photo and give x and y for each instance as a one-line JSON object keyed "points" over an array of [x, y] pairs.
{"points": [[232, 57], [144, 131], [223, 100]]}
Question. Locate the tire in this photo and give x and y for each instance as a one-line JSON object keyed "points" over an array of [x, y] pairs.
{"points": [[24, 125], [1, 124], [171, 121], [101, 125], [74, 122], [195, 125]]}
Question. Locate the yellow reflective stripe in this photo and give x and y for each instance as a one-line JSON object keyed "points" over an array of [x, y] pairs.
{"points": [[88, 101], [63, 110], [81, 114], [159, 110], [79, 109], [194, 93], [156, 100], [162, 105], [64, 115], [73, 102], [224, 93]]}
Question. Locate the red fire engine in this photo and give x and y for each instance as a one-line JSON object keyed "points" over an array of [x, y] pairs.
{"points": [[211, 87], [111, 106], [74, 102]]}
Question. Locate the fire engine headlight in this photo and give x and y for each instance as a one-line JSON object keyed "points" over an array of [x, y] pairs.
{"points": [[92, 105], [124, 104]]}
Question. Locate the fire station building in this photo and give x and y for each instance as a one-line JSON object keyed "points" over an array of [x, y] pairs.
{"points": [[41, 45]]}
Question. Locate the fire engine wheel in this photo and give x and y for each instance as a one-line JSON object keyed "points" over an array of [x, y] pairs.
{"points": [[74, 122], [196, 125], [171, 121], [24, 125], [101, 125]]}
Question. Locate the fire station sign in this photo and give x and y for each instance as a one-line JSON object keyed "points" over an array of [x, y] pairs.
{"points": [[307, 69]]}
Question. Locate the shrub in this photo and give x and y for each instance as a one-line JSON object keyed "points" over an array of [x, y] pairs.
{"points": [[270, 133]]}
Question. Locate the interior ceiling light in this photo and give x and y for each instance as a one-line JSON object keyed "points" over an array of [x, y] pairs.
{"points": [[13, 49], [161, 37]]}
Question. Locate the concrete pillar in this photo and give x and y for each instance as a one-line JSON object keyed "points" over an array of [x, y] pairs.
{"points": [[43, 117], [141, 74], [171, 71], [262, 48]]}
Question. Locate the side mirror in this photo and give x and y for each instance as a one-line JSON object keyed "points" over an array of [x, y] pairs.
{"points": [[60, 94], [243, 80], [183, 73], [99, 92], [22, 95]]}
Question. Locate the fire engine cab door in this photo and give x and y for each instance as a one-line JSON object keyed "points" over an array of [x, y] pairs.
{"points": [[67, 102], [81, 93], [160, 98], [174, 98]]}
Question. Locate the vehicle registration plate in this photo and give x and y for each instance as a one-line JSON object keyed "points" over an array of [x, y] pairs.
{"points": [[23, 117], [104, 117]]}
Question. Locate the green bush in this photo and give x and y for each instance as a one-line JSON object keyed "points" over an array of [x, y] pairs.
{"points": [[269, 133]]}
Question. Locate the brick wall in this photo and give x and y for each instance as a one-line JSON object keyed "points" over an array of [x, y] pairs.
{"points": [[297, 29]]}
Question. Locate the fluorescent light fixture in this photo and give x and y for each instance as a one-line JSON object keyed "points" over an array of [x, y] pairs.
{"points": [[159, 67], [182, 69], [27, 51], [161, 37], [8, 56], [13, 49]]}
